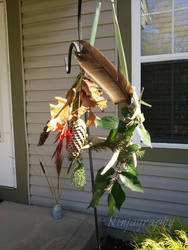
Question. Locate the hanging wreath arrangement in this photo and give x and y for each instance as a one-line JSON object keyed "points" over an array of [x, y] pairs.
{"points": [[85, 95]]}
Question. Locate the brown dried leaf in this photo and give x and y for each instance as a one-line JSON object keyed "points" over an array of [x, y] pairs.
{"points": [[90, 88], [93, 93], [105, 74], [92, 119], [86, 101], [71, 95]]}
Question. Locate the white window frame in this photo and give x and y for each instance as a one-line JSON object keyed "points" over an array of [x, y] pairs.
{"points": [[137, 59]]}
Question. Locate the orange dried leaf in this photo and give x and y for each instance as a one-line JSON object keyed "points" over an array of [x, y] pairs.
{"points": [[60, 99], [59, 113], [92, 119], [80, 111], [102, 104]]}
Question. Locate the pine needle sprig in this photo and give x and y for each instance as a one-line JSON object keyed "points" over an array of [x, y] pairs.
{"points": [[100, 146]]}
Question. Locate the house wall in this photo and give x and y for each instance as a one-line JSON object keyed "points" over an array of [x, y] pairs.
{"points": [[48, 28], [20, 193]]}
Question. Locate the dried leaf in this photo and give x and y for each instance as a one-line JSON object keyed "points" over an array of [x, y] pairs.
{"points": [[60, 113], [92, 119], [94, 93], [90, 88], [86, 102], [80, 111], [105, 74], [101, 104], [60, 99], [71, 95]]}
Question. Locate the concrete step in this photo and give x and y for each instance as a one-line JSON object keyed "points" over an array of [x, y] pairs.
{"points": [[24, 227]]}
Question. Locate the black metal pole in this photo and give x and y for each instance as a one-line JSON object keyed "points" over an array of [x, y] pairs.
{"points": [[88, 132], [92, 183]]}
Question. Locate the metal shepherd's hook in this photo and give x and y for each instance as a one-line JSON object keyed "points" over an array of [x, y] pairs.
{"points": [[68, 61]]}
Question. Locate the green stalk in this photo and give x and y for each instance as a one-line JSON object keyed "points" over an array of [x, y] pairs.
{"points": [[95, 23], [121, 52]]}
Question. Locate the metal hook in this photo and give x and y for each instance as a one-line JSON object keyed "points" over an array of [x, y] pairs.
{"points": [[69, 59]]}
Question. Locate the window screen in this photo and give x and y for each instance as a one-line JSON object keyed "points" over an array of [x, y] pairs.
{"points": [[166, 89]]}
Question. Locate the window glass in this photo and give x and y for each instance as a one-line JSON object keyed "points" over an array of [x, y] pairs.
{"points": [[166, 89], [180, 3], [158, 5], [156, 36], [181, 31]]}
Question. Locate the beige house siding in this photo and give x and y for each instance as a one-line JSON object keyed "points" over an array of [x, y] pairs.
{"points": [[48, 28]]}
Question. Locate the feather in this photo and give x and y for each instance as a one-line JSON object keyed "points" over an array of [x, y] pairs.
{"points": [[111, 162], [105, 74]]}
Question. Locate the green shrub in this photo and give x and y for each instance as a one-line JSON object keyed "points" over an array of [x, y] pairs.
{"points": [[174, 237]]}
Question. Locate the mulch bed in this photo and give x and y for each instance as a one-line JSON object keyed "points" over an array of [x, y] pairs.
{"points": [[110, 243]]}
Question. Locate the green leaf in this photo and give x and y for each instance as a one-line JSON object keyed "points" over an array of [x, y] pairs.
{"points": [[140, 153], [95, 23], [101, 184], [144, 135], [111, 205], [133, 148], [129, 131], [131, 181], [112, 135], [118, 194], [121, 127], [130, 168], [108, 122], [125, 112], [145, 103], [122, 59]]}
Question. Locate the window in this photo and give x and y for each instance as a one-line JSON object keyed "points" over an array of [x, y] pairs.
{"points": [[160, 65]]}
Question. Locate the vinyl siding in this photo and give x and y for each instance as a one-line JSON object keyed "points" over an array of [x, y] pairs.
{"points": [[48, 28]]}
